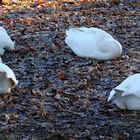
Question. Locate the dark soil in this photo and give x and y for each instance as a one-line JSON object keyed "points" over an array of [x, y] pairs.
{"points": [[61, 96]]}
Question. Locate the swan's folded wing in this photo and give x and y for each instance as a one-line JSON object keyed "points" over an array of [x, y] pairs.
{"points": [[82, 43], [131, 85], [133, 90], [9, 73]]}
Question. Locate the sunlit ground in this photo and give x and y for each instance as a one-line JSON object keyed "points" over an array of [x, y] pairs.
{"points": [[59, 92]]}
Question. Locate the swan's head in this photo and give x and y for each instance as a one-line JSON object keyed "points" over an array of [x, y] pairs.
{"points": [[110, 49]]}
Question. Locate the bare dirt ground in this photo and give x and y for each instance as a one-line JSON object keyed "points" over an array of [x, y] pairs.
{"points": [[60, 95]]}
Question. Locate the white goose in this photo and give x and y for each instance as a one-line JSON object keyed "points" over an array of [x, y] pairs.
{"points": [[7, 79], [5, 41], [127, 94], [93, 43]]}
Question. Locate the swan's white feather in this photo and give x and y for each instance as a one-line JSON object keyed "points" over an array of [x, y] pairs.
{"points": [[5, 41], [7, 79], [127, 94], [130, 85], [93, 43]]}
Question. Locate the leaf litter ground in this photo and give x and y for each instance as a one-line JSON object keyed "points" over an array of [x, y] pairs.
{"points": [[60, 95]]}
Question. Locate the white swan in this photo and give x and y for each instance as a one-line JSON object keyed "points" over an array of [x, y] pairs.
{"points": [[93, 43], [5, 41], [7, 79], [127, 94]]}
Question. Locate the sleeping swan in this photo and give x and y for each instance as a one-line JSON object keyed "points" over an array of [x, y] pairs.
{"points": [[7, 79], [93, 43], [5, 41], [127, 94]]}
